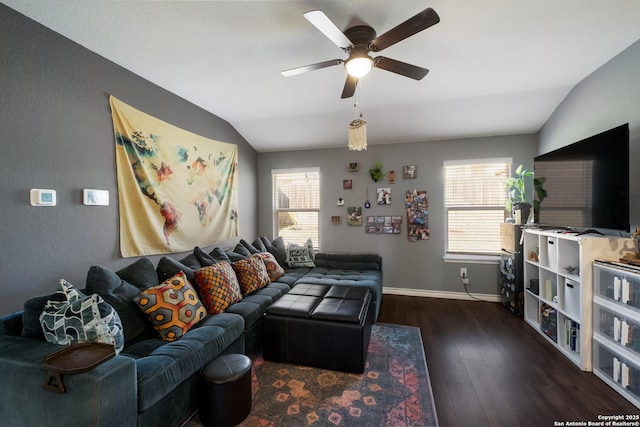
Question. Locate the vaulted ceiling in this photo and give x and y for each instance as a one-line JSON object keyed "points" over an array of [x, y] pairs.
{"points": [[496, 66]]}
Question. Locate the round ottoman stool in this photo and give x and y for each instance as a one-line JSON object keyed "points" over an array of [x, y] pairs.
{"points": [[225, 390]]}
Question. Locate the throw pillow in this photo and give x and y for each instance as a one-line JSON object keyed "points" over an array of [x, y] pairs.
{"points": [[299, 256], [71, 317], [169, 267], [173, 307], [119, 294], [241, 249], [218, 287], [259, 245], [218, 254], [278, 249], [249, 246], [204, 258], [252, 274], [274, 270], [309, 245], [141, 274]]}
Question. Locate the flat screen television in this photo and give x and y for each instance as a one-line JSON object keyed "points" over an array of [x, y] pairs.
{"points": [[586, 183]]}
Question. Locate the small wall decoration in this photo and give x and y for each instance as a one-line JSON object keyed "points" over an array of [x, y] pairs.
{"points": [[417, 205], [392, 176], [336, 219], [384, 224], [354, 215], [409, 171], [353, 167], [384, 196], [347, 184], [376, 171]]}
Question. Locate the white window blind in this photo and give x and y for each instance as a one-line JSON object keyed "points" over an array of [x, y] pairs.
{"points": [[475, 205], [296, 205]]}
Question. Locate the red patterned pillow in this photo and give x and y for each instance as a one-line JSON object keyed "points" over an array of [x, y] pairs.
{"points": [[173, 307], [252, 274], [274, 270], [218, 286]]}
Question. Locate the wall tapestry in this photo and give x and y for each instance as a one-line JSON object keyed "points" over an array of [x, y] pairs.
{"points": [[417, 205], [176, 189]]}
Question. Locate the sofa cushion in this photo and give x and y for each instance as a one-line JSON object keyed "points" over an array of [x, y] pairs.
{"points": [[71, 317], [274, 270], [173, 307], [347, 261], [218, 254], [204, 258], [252, 249], [259, 245], [299, 256], [252, 274], [218, 287], [141, 273], [168, 365], [119, 294], [277, 248], [169, 267], [242, 250], [235, 256]]}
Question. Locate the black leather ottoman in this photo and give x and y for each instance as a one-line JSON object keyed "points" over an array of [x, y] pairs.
{"points": [[322, 326], [225, 391]]}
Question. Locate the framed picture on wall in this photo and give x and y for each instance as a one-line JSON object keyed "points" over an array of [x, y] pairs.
{"points": [[409, 171], [353, 167], [336, 219], [347, 184]]}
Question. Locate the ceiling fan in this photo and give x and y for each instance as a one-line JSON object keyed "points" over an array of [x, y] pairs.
{"points": [[359, 40]]}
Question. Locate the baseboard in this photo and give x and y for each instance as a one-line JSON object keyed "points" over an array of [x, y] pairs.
{"points": [[441, 294]]}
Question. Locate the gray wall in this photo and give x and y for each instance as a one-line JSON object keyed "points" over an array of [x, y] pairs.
{"points": [[56, 132], [608, 97], [417, 266]]}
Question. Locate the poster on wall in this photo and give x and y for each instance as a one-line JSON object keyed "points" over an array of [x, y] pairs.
{"points": [[354, 215], [417, 205], [176, 189]]}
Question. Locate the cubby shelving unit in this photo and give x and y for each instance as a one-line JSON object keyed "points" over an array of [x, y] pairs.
{"points": [[558, 298]]}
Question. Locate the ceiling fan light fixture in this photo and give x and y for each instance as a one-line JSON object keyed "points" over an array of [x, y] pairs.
{"points": [[359, 66]]}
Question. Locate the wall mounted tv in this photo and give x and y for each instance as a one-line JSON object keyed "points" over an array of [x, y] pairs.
{"points": [[586, 183]]}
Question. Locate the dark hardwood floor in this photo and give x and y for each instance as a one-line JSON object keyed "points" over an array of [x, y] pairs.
{"points": [[489, 368]]}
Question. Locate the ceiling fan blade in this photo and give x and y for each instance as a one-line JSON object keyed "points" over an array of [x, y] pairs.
{"points": [[411, 26], [349, 87], [399, 67], [328, 28], [311, 67]]}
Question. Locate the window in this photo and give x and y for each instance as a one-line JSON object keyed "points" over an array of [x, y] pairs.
{"points": [[296, 205], [474, 205]]}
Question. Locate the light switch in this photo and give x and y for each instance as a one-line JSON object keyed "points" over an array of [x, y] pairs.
{"points": [[95, 197]]}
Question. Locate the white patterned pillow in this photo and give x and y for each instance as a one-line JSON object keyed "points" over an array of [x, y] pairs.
{"points": [[299, 256], [71, 317]]}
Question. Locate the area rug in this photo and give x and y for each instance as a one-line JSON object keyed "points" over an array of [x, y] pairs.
{"points": [[394, 389]]}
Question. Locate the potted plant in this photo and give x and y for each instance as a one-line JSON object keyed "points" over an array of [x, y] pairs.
{"points": [[376, 171], [516, 193]]}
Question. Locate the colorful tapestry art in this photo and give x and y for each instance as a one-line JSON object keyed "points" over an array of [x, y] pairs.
{"points": [[176, 189]]}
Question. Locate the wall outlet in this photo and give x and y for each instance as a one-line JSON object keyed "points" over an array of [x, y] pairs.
{"points": [[463, 272], [465, 282]]}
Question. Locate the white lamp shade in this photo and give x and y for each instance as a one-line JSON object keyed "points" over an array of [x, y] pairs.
{"points": [[359, 66]]}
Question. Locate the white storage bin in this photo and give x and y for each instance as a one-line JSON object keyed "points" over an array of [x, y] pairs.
{"points": [[572, 298], [552, 253]]}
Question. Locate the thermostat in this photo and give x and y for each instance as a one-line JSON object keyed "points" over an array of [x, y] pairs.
{"points": [[40, 197]]}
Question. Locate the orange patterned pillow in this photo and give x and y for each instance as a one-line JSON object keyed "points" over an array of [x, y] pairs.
{"points": [[252, 274], [274, 270], [218, 286], [173, 307]]}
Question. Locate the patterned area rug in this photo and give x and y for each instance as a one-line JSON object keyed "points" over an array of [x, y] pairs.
{"points": [[394, 389]]}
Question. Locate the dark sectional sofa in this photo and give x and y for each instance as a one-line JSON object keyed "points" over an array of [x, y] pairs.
{"points": [[153, 382]]}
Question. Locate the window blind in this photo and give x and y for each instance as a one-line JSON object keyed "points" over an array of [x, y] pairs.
{"points": [[474, 203]]}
